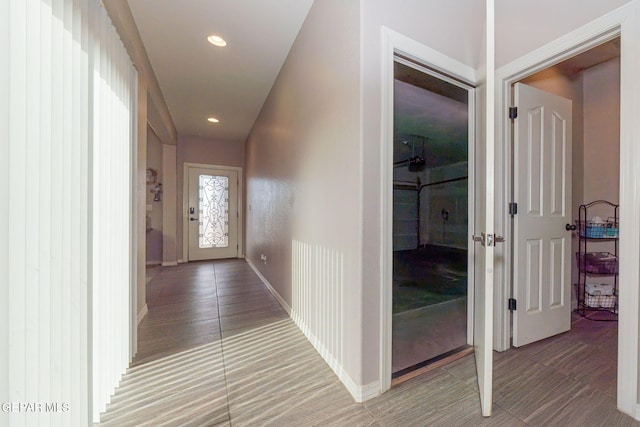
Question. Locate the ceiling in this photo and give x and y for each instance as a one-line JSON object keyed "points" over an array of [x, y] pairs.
{"points": [[573, 66], [430, 112], [199, 80]]}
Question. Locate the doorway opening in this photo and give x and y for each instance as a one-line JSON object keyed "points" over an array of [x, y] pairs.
{"points": [[588, 350], [212, 205], [431, 212]]}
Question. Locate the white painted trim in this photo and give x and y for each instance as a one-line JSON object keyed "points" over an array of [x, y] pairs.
{"points": [[393, 43], [271, 289], [185, 205], [169, 264], [399, 43], [623, 22], [359, 393], [471, 182], [155, 262], [181, 261], [143, 312]]}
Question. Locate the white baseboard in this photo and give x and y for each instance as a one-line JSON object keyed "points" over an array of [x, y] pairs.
{"points": [[169, 264], [154, 263], [271, 289], [359, 393], [180, 261], [143, 312]]}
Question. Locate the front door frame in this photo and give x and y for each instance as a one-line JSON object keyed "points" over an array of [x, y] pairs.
{"points": [[393, 44], [623, 22], [185, 205]]}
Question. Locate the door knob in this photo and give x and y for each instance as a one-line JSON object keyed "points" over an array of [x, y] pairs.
{"points": [[570, 227], [479, 238], [193, 219], [488, 239]]}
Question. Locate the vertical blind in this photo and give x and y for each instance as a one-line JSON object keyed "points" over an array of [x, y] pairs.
{"points": [[67, 96]]}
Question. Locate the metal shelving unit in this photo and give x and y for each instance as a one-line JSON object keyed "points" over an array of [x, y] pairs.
{"points": [[597, 301]]}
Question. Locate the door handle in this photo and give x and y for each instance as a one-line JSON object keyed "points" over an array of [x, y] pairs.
{"points": [[570, 227], [488, 239], [479, 238], [193, 219]]}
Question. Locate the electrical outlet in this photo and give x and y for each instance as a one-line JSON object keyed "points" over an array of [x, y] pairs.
{"points": [[263, 257]]}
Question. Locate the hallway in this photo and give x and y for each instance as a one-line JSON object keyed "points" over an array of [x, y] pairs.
{"points": [[217, 349]]}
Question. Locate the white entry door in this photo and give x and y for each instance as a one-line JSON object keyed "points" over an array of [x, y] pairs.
{"points": [[542, 190], [212, 213]]}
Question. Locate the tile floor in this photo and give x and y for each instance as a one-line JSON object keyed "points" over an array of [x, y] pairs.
{"points": [[217, 349]]}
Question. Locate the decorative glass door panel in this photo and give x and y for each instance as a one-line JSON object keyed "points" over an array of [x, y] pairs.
{"points": [[212, 213], [213, 200]]}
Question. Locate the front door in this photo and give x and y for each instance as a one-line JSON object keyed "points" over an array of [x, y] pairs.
{"points": [[212, 213], [542, 190]]}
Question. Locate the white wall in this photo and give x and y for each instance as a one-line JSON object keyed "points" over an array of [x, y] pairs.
{"points": [[452, 28], [154, 237], [303, 186], [141, 200], [601, 85], [452, 196], [194, 149], [170, 205], [523, 26]]}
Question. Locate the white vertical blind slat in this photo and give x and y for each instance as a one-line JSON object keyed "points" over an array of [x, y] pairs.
{"points": [[31, 202], [66, 92], [67, 198], [45, 198], [112, 142], [17, 169], [56, 183], [84, 416], [4, 195]]}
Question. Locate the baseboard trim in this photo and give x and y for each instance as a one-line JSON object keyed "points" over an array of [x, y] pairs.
{"points": [[271, 289], [181, 261], [149, 263], [143, 312], [169, 264], [359, 393]]}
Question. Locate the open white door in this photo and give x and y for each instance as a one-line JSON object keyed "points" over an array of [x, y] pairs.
{"points": [[542, 190], [484, 220], [483, 264]]}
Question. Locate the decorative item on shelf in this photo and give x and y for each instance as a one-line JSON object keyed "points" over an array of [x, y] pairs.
{"points": [[152, 176], [597, 228], [600, 295], [157, 191]]}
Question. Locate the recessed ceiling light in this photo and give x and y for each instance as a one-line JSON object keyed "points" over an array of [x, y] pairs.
{"points": [[217, 40], [213, 120]]}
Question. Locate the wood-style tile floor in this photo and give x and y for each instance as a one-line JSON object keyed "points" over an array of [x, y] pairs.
{"points": [[217, 349]]}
